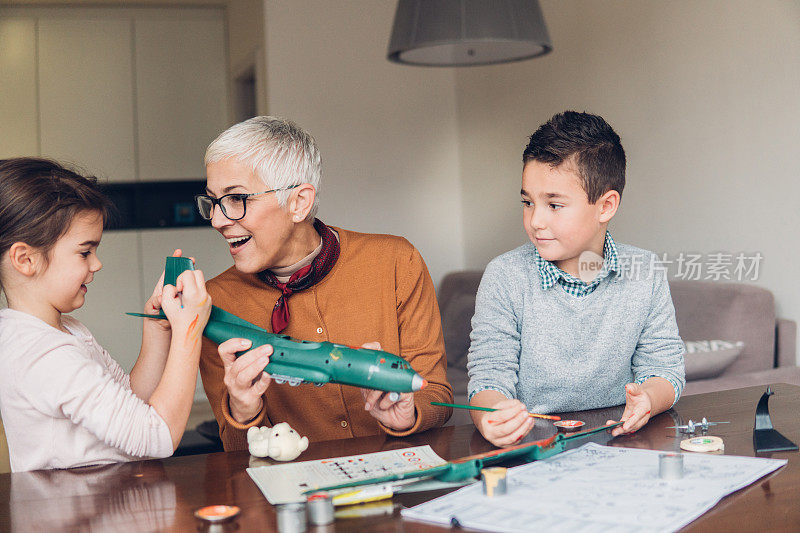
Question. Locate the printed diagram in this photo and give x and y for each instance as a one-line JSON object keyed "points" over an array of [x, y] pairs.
{"points": [[598, 487], [286, 482]]}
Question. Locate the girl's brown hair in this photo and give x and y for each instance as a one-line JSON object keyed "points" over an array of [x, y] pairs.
{"points": [[39, 198]]}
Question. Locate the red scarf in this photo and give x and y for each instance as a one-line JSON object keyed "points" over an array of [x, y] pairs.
{"points": [[303, 278]]}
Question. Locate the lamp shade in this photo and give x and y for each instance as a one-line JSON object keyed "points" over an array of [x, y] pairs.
{"points": [[452, 33]]}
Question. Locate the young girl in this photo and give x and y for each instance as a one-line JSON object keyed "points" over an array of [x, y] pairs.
{"points": [[64, 401]]}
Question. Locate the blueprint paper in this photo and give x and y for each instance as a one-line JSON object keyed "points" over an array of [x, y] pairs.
{"points": [[598, 488], [285, 483]]}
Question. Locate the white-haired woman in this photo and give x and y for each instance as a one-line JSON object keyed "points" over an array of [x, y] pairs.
{"points": [[294, 275]]}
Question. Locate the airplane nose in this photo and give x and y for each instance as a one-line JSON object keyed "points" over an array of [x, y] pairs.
{"points": [[417, 383]]}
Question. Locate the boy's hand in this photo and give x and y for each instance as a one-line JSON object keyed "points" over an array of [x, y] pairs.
{"points": [[187, 305], [398, 415], [638, 406], [507, 425], [244, 377]]}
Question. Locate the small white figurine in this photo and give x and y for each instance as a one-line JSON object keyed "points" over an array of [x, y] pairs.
{"points": [[280, 442], [258, 441]]}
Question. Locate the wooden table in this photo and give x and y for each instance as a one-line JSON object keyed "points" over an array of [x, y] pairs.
{"points": [[162, 494]]}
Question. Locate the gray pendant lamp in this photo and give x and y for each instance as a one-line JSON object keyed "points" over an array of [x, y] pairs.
{"points": [[453, 33]]}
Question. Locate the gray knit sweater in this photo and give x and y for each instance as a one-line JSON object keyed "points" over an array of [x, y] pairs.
{"points": [[556, 352]]}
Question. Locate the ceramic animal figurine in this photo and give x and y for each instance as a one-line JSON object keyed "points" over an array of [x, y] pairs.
{"points": [[280, 442]]}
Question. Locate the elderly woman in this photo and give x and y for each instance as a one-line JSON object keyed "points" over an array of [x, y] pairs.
{"points": [[294, 275]]}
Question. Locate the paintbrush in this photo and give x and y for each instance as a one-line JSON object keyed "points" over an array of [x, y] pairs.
{"points": [[475, 408]]}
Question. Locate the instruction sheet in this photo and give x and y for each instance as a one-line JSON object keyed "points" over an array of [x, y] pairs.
{"points": [[286, 483], [595, 488]]}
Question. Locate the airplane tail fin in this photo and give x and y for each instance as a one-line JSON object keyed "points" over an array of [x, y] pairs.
{"points": [[174, 267]]}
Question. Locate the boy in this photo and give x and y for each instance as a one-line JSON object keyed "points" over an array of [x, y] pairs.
{"points": [[572, 321]]}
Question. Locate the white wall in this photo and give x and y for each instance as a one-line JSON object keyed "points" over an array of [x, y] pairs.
{"points": [[388, 133], [706, 98]]}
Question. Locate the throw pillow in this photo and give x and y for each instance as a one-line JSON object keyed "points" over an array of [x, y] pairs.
{"points": [[709, 359]]}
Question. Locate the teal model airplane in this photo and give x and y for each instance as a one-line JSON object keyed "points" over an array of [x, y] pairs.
{"points": [[295, 361]]}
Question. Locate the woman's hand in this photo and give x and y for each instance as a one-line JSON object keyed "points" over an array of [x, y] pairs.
{"points": [[245, 377], [397, 414]]}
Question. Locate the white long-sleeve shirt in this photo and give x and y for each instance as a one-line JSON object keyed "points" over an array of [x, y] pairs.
{"points": [[65, 402]]}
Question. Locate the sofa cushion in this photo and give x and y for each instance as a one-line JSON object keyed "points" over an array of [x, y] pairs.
{"points": [[731, 311], [789, 374], [708, 359]]}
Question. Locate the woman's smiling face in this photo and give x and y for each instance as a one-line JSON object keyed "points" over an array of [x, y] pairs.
{"points": [[261, 239]]}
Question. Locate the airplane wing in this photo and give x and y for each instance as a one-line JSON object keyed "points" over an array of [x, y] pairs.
{"points": [[223, 316]]}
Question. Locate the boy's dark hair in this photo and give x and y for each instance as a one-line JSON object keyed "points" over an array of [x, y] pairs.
{"points": [[592, 145], [39, 199]]}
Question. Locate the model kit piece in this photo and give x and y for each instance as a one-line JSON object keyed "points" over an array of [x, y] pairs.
{"points": [[295, 361], [692, 427], [471, 466], [765, 437], [280, 442]]}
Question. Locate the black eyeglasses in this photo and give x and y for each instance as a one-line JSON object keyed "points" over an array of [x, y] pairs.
{"points": [[234, 206]]}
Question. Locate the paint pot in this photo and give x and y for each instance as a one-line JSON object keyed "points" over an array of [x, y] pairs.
{"points": [[320, 508], [568, 426], [217, 514], [670, 466], [494, 481], [703, 444], [291, 517]]}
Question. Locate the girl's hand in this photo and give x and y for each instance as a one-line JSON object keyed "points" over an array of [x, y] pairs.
{"points": [[638, 406], [187, 305], [507, 425], [153, 304]]}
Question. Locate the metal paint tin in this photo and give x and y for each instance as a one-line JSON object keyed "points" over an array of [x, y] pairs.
{"points": [[670, 466], [217, 514], [568, 425], [291, 517], [494, 481], [320, 508]]}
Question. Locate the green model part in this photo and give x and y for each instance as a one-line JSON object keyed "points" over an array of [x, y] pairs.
{"points": [[295, 361], [470, 467]]}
